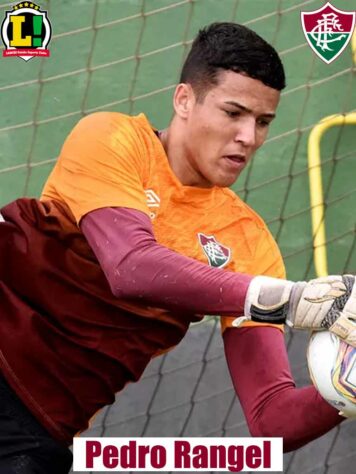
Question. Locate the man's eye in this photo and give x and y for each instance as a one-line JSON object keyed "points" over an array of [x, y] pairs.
{"points": [[231, 113], [263, 123]]}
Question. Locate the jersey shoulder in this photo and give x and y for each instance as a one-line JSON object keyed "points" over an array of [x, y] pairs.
{"points": [[107, 155], [110, 123]]}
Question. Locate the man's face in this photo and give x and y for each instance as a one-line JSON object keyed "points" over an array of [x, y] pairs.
{"points": [[222, 131]]}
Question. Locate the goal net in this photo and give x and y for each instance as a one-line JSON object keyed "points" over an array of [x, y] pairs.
{"points": [[125, 55]]}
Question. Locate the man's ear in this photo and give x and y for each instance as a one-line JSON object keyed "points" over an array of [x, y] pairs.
{"points": [[183, 100]]}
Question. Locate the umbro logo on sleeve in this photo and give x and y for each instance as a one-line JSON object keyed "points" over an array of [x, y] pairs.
{"points": [[152, 201]]}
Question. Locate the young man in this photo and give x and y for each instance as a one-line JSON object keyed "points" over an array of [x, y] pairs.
{"points": [[135, 236]]}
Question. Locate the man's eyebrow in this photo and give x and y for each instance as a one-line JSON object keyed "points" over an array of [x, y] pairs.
{"points": [[246, 109]]}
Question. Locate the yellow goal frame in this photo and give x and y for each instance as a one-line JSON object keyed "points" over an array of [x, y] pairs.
{"points": [[316, 187], [315, 179]]}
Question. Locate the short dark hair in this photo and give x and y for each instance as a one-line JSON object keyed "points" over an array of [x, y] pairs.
{"points": [[230, 46]]}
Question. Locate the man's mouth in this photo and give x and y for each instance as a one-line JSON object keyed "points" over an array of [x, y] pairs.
{"points": [[238, 159]]}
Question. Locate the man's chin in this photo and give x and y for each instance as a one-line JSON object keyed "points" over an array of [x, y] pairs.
{"points": [[226, 181]]}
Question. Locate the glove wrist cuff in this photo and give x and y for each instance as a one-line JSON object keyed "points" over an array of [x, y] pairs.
{"points": [[267, 299]]}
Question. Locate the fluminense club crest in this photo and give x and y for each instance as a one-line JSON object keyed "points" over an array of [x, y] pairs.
{"points": [[217, 254], [328, 30]]}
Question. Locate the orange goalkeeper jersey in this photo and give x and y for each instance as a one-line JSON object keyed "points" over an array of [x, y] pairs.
{"points": [[118, 160], [60, 323]]}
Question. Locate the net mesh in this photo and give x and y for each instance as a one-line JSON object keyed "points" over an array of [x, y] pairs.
{"points": [[125, 56]]}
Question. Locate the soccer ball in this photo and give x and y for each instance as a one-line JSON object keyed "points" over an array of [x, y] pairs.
{"points": [[332, 368]]}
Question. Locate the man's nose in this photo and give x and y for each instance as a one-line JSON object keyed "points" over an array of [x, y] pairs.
{"points": [[246, 132]]}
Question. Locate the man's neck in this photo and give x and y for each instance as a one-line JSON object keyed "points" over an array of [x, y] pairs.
{"points": [[173, 142]]}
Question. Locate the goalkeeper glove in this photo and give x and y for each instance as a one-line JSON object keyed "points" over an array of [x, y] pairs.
{"points": [[324, 303]]}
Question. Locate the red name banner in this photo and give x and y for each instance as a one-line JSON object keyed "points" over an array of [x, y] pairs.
{"points": [[178, 454]]}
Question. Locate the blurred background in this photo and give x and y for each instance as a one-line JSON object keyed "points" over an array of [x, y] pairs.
{"points": [[125, 55]]}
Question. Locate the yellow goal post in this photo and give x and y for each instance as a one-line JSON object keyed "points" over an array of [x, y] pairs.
{"points": [[317, 204]]}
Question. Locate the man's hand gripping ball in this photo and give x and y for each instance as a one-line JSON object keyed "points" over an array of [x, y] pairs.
{"points": [[323, 303]]}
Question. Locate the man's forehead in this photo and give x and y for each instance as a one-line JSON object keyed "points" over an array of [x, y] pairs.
{"points": [[244, 90]]}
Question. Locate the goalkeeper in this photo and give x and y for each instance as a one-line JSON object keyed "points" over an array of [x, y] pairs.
{"points": [[135, 236]]}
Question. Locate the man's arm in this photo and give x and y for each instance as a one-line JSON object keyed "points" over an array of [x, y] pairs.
{"points": [[259, 368], [137, 267]]}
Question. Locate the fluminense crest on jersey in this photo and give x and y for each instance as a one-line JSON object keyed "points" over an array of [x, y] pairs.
{"points": [[328, 30], [218, 255]]}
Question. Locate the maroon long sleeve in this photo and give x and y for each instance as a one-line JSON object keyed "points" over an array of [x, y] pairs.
{"points": [[137, 267], [259, 367]]}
